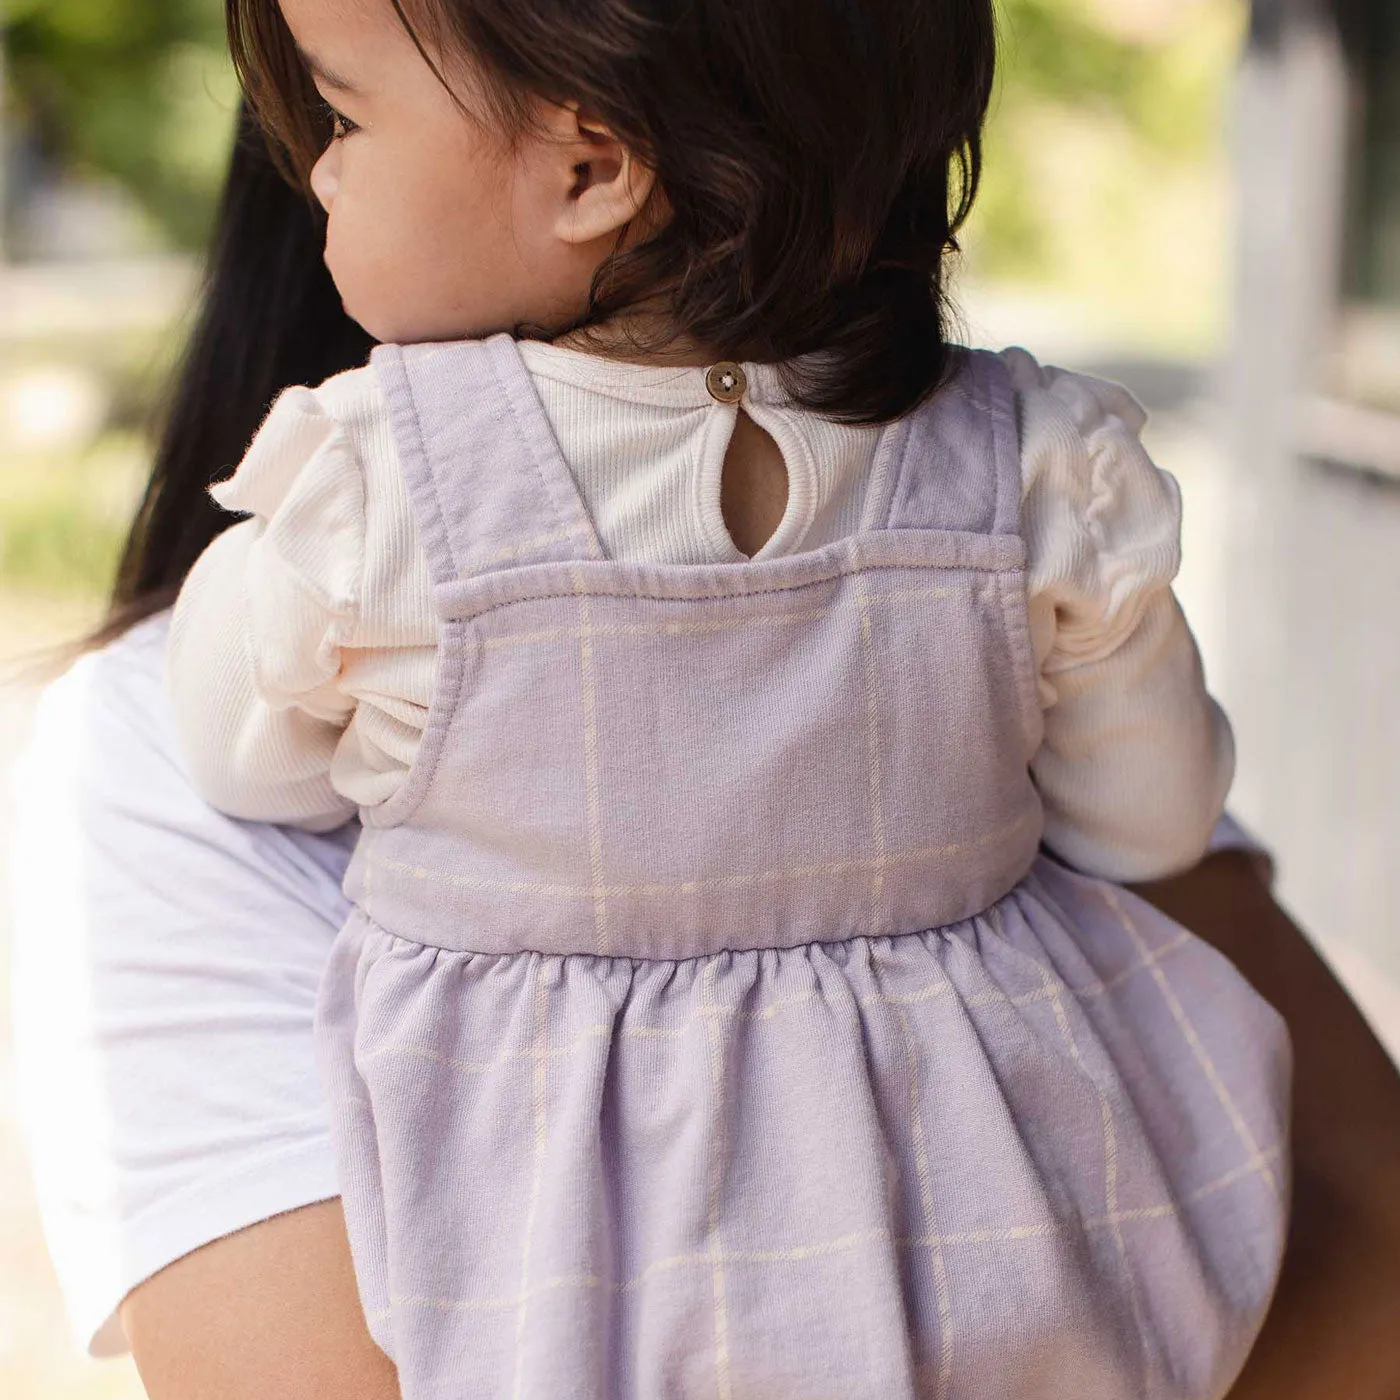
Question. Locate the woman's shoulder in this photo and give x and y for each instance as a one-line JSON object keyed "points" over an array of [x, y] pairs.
{"points": [[103, 761], [164, 963], [109, 701], [108, 711]]}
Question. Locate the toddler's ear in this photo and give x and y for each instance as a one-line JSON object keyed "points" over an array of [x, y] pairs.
{"points": [[607, 186]]}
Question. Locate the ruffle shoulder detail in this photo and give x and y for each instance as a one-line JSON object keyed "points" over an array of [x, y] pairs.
{"points": [[1102, 522], [303, 483]]}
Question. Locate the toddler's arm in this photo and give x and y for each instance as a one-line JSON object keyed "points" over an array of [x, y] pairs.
{"points": [[254, 662], [1137, 759]]}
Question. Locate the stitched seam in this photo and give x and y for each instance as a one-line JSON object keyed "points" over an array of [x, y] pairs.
{"points": [[545, 636], [565, 499], [1015, 611], [1049, 989], [897, 469], [886, 468], [508, 394], [982, 394], [875, 776], [630, 596], [448, 677], [1005, 441], [440, 526], [588, 704]]}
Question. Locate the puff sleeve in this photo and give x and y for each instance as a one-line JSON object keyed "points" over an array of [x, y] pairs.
{"points": [[255, 648], [1137, 759]]}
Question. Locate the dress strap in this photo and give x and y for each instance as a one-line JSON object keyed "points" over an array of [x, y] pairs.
{"points": [[490, 487], [958, 465]]}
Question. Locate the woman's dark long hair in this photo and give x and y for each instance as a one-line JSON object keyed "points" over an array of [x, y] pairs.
{"points": [[269, 317]]}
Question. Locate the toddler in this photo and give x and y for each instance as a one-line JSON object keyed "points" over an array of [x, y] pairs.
{"points": [[751, 702]]}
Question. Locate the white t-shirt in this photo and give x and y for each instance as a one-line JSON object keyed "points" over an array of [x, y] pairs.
{"points": [[166, 964]]}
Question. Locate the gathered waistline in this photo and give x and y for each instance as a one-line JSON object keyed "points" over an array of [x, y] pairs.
{"points": [[732, 949]]}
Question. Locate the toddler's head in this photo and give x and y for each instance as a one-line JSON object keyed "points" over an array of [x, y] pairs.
{"points": [[692, 179]]}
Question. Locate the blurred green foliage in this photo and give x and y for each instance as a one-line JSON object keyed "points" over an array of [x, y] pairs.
{"points": [[1063, 51], [64, 517], [57, 546], [137, 90], [1160, 94]]}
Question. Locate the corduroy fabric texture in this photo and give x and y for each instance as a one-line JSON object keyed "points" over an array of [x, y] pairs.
{"points": [[708, 1024]]}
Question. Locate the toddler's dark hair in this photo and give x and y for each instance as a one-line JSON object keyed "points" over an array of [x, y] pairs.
{"points": [[817, 158]]}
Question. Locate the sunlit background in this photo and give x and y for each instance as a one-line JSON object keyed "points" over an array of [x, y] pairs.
{"points": [[1198, 197]]}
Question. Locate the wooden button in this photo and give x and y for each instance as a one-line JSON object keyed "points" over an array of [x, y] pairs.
{"points": [[726, 381]]}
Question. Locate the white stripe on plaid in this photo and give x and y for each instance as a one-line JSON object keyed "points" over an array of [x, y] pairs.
{"points": [[840, 1244], [1110, 1172], [873, 749], [1183, 1021], [787, 617], [719, 1148], [588, 691], [925, 1180], [540, 1109], [485, 563], [815, 870]]}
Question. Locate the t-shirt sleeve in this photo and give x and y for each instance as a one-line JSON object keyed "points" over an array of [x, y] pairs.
{"points": [[166, 961], [1137, 759], [259, 627]]}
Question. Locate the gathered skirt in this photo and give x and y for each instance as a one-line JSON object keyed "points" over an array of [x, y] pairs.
{"points": [[1037, 1155]]}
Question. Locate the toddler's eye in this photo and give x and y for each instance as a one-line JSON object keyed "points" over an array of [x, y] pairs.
{"points": [[341, 125]]}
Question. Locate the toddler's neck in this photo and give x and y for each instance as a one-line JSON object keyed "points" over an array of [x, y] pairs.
{"points": [[641, 339], [754, 485]]}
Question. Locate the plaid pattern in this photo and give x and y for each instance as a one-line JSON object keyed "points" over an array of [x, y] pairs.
{"points": [[708, 1025]]}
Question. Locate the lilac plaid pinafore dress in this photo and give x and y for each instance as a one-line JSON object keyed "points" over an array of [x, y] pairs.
{"points": [[709, 1024]]}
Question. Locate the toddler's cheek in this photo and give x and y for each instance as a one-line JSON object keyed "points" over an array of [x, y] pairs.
{"points": [[363, 280], [338, 263]]}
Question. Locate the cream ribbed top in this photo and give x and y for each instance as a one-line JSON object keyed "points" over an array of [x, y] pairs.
{"points": [[303, 647]]}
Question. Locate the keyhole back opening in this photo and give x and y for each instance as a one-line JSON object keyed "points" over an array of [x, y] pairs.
{"points": [[753, 495]]}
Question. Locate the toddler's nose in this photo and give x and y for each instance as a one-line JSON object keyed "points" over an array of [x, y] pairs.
{"points": [[325, 176]]}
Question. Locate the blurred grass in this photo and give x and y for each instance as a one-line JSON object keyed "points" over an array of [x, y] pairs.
{"points": [[63, 520]]}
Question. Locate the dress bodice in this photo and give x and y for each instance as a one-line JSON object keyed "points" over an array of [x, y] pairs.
{"points": [[663, 761]]}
